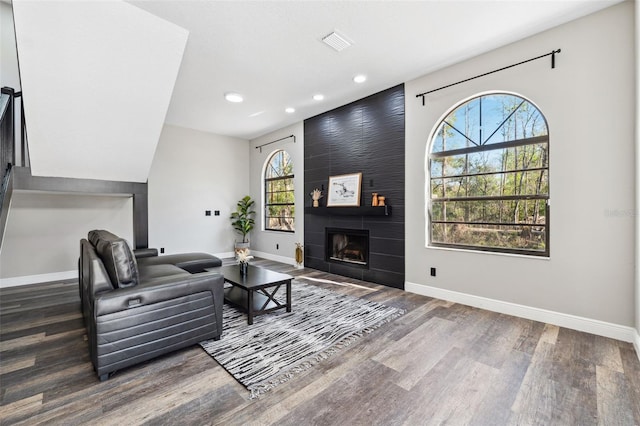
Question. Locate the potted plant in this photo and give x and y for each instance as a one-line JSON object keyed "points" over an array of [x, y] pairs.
{"points": [[242, 220]]}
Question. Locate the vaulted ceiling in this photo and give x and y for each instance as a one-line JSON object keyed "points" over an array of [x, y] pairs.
{"points": [[101, 77]]}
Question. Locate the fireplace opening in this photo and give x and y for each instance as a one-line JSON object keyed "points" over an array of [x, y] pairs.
{"points": [[350, 246]]}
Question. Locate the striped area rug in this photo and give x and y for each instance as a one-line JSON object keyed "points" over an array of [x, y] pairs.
{"points": [[281, 344]]}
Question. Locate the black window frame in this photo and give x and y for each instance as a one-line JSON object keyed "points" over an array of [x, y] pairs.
{"points": [[268, 181], [477, 147]]}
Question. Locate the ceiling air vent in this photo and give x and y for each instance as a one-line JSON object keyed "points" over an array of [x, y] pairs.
{"points": [[336, 41]]}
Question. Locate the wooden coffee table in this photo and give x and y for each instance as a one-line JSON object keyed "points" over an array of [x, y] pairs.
{"points": [[255, 292]]}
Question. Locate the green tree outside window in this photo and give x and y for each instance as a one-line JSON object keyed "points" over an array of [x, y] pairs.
{"points": [[279, 211], [489, 177]]}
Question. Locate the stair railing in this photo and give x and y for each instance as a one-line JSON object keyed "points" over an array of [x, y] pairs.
{"points": [[7, 151]]}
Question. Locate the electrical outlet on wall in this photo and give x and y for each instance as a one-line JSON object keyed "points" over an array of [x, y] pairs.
{"points": [[433, 272], [161, 249]]}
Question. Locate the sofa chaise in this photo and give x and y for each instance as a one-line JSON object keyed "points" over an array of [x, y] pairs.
{"points": [[136, 309]]}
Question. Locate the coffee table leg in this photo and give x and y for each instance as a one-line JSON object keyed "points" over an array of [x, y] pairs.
{"points": [[289, 296], [250, 307]]}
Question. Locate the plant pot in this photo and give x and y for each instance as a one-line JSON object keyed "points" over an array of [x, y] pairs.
{"points": [[241, 246]]}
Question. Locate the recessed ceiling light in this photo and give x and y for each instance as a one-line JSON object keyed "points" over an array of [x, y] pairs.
{"points": [[360, 78], [233, 97], [318, 97], [290, 110]]}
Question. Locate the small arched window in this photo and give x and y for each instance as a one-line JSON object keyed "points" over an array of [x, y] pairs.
{"points": [[489, 177], [279, 206]]}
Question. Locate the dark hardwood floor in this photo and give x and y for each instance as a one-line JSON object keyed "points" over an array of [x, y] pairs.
{"points": [[440, 363]]}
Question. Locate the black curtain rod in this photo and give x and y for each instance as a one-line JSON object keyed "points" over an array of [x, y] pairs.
{"points": [[553, 65], [281, 139]]}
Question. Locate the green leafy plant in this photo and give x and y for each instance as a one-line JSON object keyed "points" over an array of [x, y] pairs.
{"points": [[242, 219]]}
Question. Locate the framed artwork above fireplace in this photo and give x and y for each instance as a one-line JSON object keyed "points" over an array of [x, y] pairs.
{"points": [[344, 190]]}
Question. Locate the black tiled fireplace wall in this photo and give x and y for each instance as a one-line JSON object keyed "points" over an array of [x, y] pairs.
{"points": [[365, 136]]}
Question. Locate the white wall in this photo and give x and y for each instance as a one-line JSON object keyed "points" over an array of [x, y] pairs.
{"points": [[194, 171], [637, 178], [273, 244], [8, 57], [97, 79], [43, 232], [588, 101]]}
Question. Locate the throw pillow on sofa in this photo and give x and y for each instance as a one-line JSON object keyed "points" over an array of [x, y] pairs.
{"points": [[117, 257]]}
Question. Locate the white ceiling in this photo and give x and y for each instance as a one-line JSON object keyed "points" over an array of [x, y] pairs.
{"points": [[97, 79], [271, 51]]}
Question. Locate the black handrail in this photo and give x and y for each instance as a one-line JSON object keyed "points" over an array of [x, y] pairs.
{"points": [[7, 151], [5, 184], [7, 130], [9, 146], [25, 159], [5, 197]]}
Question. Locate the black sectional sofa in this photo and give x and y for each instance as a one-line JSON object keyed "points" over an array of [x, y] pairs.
{"points": [[137, 308]]}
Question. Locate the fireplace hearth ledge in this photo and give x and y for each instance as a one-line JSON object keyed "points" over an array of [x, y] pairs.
{"points": [[349, 211]]}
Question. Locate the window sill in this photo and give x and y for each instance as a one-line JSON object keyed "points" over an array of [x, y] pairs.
{"points": [[487, 252]]}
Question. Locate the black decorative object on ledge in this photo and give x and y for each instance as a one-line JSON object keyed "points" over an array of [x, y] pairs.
{"points": [[349, 211]]}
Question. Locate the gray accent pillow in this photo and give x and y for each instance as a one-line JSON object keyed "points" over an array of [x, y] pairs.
{"points": [[117, 257]]}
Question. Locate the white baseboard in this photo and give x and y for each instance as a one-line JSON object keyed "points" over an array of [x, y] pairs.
{"points": [[35, 279], [636, 343], [600, 328], [261, 254], [65, 275], [224, 255], [274, 257]]}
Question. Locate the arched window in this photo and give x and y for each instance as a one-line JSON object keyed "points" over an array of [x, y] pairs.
{"points": [[279, 204], [489, 177]]}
